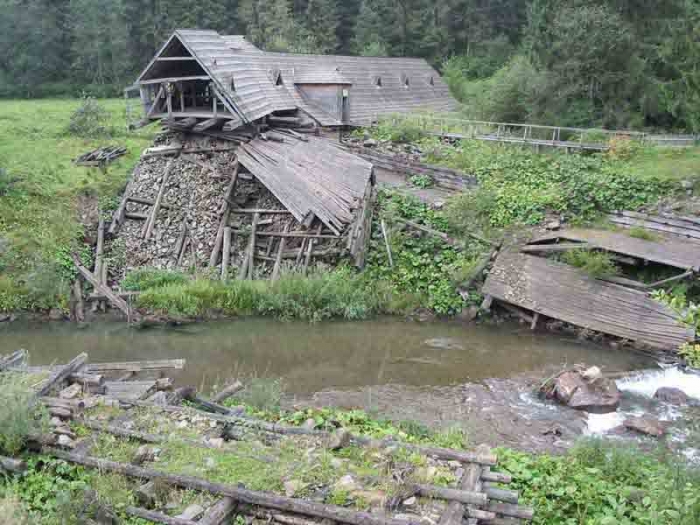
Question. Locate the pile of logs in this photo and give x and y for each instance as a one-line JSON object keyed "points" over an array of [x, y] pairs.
{"points": [[101, 156], [78, 385]]}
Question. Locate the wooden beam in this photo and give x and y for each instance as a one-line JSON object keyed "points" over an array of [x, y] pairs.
{"points": [[150, 223], [172, 79], [207, 124], [61, 374], [174, 59], [102, 289]]}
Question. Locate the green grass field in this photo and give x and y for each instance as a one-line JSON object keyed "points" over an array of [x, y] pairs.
{"points": [[39, 191]]}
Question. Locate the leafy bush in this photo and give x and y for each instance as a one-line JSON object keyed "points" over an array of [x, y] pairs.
{"points": [[602, 483], [399, 130], [90, 119], [421, 181], [19, 417], [691, 353], [594, 263]]}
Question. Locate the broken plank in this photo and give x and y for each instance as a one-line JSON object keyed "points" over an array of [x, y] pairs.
{"points": [[102, 289], [150, 223], [59, 375]]}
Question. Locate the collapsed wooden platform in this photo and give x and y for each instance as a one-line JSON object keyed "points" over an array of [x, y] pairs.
{"points": [[562, 292]]}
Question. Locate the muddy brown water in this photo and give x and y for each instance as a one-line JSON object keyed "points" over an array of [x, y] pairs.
{"points": [[315, 357]]}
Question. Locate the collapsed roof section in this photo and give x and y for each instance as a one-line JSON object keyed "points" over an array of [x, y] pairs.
{"points": [[334, 90]]}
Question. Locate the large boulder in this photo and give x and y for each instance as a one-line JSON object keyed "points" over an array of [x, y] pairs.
{"points": [[646, 425], [672, 396], [583, 389]]}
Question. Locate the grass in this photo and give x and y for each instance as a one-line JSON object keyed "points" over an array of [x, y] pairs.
{"points": [[594, 263], [39, 223], [640, 233], [341, 293], [18, 416]]}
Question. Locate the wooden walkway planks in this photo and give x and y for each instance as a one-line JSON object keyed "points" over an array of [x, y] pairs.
{"points": [[677, 226], [562, 292], [665, 250]]}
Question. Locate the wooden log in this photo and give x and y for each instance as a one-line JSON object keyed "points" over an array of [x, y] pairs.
{"points": [[224, 211], [458, 495], [180, 244], [69, 404], [278, 259], [12, 360], [310, 251], [122, 432], [219, 513], [207, 124], [143, 455], [137, 366], [59, 412], [510, 510], [15, 466], [183, 252], [150, 223], [157, 517], [100, 245], [241, 211], [555, 248], [663, 282], [147, 202], [79, 303], [59, 375], [299, 235], [180, 394], [227, 392], [504, 495], [71, 392], [99, 287], [226, 258], [456, 509], [309, 508], [118, 216], [251, 246], [209, 406]]}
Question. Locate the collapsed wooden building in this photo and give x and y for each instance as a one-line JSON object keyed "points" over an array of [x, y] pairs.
{"points": [[244, 176]]}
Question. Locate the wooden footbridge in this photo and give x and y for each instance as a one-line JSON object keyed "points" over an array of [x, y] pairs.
{"points": [[535, 135]]}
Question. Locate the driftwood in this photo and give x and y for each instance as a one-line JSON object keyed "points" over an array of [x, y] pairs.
{"points": [[227, 392], [102, 289], [157, 517], [58, 376], [15, 466], [309, 508]]}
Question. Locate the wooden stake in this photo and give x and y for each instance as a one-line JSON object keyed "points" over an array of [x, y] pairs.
{"points": [[150, 223], [79, 304], [310, 250], [227, 254], [386, 242], [278, 259], [251, 252]]}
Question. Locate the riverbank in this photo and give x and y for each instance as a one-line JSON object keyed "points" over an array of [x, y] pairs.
{"points": [[374, 468]]}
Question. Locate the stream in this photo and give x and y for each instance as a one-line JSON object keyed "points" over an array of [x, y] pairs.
{"points": [[479, 377]]}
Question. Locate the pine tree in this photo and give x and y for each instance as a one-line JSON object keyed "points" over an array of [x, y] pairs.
{"points": [[321, 23]]}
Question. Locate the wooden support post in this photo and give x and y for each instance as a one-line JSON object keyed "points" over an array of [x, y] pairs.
{"points": [[535, 318], [225, 259], [225, 211], [251, 252], [182, 97], [278, 259], [79, 304], [99, 287], [150, 223]]}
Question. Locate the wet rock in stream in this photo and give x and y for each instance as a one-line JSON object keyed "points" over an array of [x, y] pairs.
{"points": [[672, 396], [583, 389]]}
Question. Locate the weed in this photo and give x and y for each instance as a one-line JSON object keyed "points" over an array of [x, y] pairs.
{"points": [[90, 119], [594, 263], [640, 233], [691, 353], [263, 394], [146, 278], [421, 181], [19, 416]]}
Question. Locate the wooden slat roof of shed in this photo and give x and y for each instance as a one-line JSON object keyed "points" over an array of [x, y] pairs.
{"points": [[313, 176], [562, 292], [240, 42], [664, 250]]}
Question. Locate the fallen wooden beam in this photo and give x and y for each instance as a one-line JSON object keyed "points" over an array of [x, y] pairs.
{"points": [[157, 517], [460, 495], [59, 375], [218, 513], [151, 222], [457, 509], [137, 366], [309, 508], [118, 302], [14, 359], [227, 392]]}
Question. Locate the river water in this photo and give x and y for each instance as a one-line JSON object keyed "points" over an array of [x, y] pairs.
{"points": [[313, 357], [478, 377]]}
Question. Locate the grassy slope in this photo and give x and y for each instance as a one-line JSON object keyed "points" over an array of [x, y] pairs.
{"points": [[38, 219]]}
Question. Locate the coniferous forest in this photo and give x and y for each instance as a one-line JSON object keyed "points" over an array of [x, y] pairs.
{"points": [[615, 63]]}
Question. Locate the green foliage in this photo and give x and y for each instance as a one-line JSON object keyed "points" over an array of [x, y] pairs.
{"points": [[145, 278], [602, 483], [399, 130], [89, 120], [421, 181], [424, 265], [19, 416], [594, 263], [691, 353], [39, 223], [341, 293]]}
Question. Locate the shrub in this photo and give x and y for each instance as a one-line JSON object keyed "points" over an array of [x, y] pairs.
{"points": [[400, 130], [89, 120], [691, 353], [19, 417], [263, 394], [421, 181], [596, 264]]}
